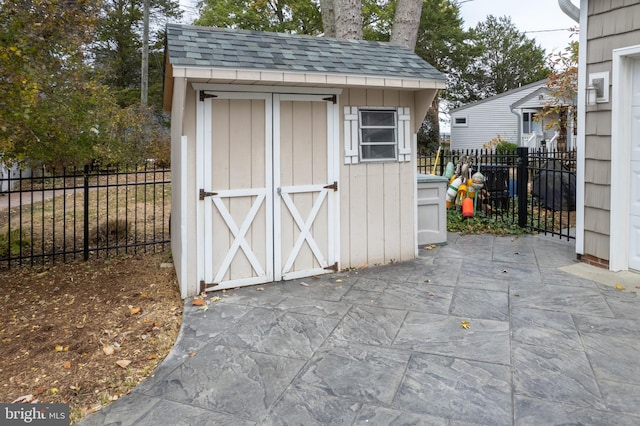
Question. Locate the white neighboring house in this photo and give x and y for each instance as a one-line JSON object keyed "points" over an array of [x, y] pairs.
{"points": [[509, 115], [9, 175]]}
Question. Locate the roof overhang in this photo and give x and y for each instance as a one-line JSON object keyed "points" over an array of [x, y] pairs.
{"points": [[289, 78]]}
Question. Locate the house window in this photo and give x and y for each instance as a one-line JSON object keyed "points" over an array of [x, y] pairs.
{"points": [[378, 134], [529, 123], [460, 121]]}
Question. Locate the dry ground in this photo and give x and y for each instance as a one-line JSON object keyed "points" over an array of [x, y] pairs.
{"points": [[85, 333]]}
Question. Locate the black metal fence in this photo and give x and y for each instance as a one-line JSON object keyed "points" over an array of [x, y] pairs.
{"points": [[48, 216], [532, 189]]}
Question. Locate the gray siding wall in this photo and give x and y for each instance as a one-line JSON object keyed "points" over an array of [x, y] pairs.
{"points": [[487, 119], [612, 24]]}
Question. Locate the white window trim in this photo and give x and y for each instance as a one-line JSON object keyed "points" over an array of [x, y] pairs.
{"points": [[351, 135], [465, 124], [395, 127]]}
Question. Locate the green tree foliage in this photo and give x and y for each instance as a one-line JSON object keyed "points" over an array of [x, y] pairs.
{"points": [[52, 109], [563, 88], [291, 16], [118, 42], [504, 59]]}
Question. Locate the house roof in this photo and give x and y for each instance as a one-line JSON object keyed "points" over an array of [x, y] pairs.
{"points": [[501, 95], [231, 50], [540, 96]]}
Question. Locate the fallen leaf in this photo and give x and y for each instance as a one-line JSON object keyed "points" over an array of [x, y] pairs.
{"points": [[516, 295], [123, 363], [465, 325], [108, 350], [39, 390], [304, 284], [215, 299], [54, 390], [59, 348], [192, 354], [619, 287], [152, 356], [134, 311], [260, 289], [338, 280], [67, 365], [197, 302]]}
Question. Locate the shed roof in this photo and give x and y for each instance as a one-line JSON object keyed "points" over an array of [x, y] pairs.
{"points": [[231, 49]]}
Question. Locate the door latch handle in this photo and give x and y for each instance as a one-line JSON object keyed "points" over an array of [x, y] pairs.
{"points": [[279, 191]]}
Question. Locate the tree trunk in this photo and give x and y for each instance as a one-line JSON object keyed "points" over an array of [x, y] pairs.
{"points": [[327, 9], [406, 22], [348, 19]]}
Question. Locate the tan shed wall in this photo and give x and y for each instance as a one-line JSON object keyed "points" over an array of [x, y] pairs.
{"points": [[376, 199], [612, 24]]}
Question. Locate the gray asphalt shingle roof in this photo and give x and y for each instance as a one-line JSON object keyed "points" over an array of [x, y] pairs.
{"points": [[193, 46]]}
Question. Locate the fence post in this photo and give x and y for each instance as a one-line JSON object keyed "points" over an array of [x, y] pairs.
{"points": [[86, 213], [523, 183]]}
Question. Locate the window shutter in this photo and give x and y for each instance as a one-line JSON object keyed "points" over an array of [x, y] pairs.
{"points": [[350, 135], [404, 134]]}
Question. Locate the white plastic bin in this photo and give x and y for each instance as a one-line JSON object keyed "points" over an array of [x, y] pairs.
{"points": [[432, 211]]}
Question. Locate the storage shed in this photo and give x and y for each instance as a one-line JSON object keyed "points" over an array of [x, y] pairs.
{"points": [[292, 155]]}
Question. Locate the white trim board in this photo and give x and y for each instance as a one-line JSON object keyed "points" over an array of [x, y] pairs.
{"points": [[620, 154]]}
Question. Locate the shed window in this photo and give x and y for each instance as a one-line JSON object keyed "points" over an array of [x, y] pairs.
{"points": [[460, 121], [378, 134]]}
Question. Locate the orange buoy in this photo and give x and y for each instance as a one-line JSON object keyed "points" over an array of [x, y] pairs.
{"points": [[467, 207]]}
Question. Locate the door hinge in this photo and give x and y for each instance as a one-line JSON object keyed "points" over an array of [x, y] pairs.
{"points": [[333, 99], [333, 267], [204, 95], [204, 287], [204, 194], [333, 186]]}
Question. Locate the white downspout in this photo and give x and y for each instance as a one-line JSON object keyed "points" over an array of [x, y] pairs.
{"points": [[581, 139], [571, 10]]}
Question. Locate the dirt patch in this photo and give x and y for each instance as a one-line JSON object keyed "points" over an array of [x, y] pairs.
{"points": [[86, 333]]}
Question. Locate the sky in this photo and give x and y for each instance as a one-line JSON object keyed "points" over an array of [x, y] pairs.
{"points": [[536, 18]]}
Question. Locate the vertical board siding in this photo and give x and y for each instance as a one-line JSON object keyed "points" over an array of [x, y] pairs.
{"points": [[377, 223]]}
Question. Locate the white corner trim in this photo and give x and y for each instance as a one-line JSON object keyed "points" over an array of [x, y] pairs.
{"points": [[620, 154], [582, 114]]}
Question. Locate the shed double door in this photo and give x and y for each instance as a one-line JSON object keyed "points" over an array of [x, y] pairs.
{"points": [[269, 189]]}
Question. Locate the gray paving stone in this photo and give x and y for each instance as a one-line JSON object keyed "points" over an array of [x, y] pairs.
{"points": [[555, 374], [356, 372], [372, 415], [608, 326], [456, 389], [485, 340], [621, 397], [534, 412], [310, 407], [573, 300], [370, 325], [483, 304], [382, 346], [126, 411], [172, 413], [369, 284], [229, 380], [613, 358], [279, 333], [544, 328], [438, 273], [513, 250], [417, 297]]}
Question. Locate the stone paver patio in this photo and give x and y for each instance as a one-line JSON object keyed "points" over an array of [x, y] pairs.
{"points": [[384, 345]]}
